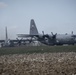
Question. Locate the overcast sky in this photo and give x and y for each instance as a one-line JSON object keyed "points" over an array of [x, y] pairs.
{"points": [[58, 16]]}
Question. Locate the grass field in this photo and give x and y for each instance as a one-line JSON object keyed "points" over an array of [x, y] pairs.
{"points": [[38, 64], [37, 49], [38, 60]]}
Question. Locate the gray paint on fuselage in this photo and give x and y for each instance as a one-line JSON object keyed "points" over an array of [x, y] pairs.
{"points": [[65, 39]]}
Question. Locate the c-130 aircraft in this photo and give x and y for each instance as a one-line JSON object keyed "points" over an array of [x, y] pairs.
{"points": [[12, 42], [9, 42], [49, 39]]}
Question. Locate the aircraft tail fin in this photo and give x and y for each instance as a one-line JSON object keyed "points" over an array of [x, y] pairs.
{"points": [[33, 28], [6, 43], [6, 33]]}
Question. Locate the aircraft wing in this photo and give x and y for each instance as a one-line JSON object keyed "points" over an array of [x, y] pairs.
{"points": [[9, 40], [19, 40], [74, 36], [2, 40], [25, 35]]}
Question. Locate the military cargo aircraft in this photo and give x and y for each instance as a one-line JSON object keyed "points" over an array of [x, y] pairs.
{"points": [[7, 42], [49, 39], [13, 42]]}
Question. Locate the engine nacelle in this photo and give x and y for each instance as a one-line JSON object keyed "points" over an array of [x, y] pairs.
{"points": [[40, 36], [51, 36], [48, 36]]}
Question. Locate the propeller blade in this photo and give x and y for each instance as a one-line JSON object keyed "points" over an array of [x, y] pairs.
{"points": [[72, 32], [52, 33], [43, 32]]}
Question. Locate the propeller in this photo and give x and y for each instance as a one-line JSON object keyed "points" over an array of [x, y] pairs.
{"points": [[43, 33], [31, 40], [53, 35], [48, 36], [19, 41], [45, 37], [72, 32], [73, 35]]}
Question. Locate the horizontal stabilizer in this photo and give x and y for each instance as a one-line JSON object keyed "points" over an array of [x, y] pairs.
{"points": [[25, 35]]}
